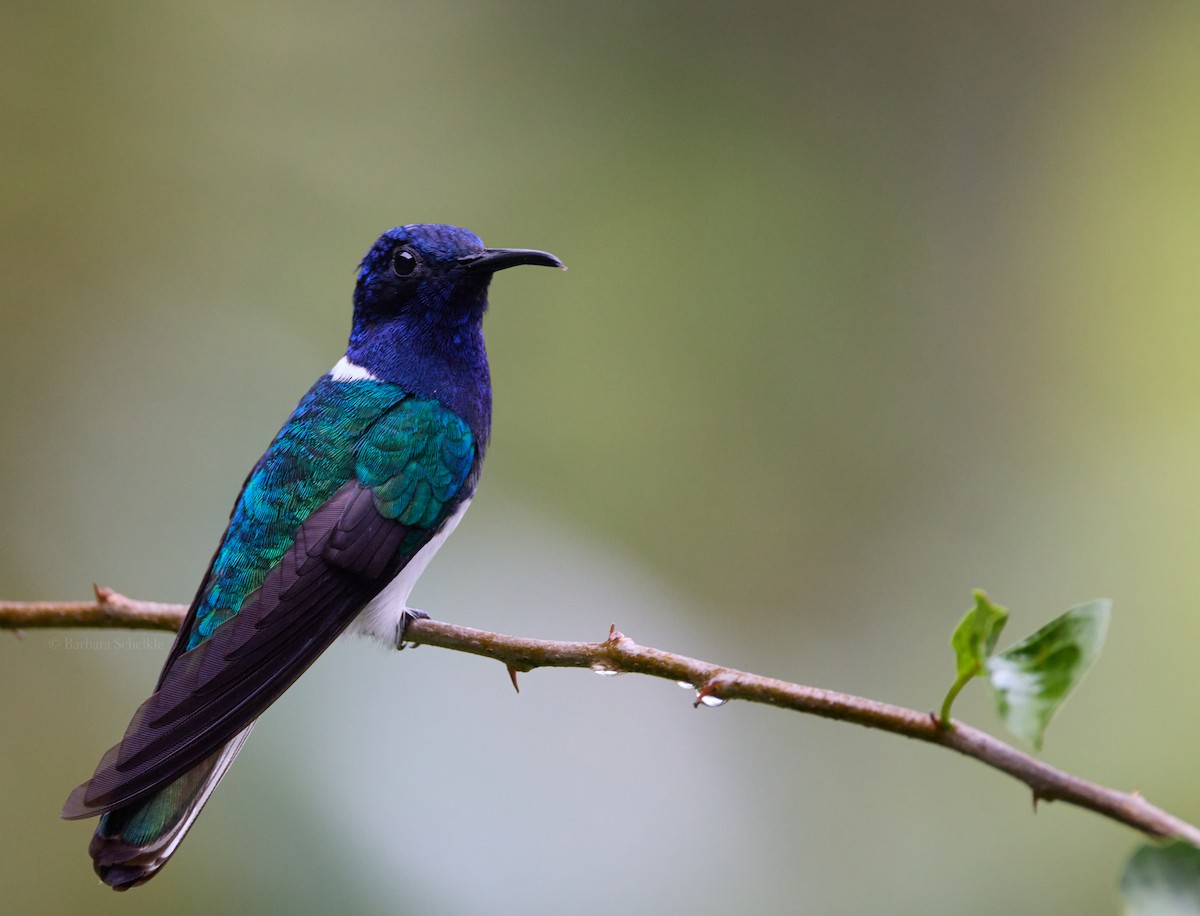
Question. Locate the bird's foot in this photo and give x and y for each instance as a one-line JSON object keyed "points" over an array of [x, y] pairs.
{"points": [[410, 614]]}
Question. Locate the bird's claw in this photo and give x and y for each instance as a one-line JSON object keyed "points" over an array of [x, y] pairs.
{"points": [[410, 614]]}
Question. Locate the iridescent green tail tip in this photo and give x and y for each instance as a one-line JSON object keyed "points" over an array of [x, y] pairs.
{"points": [[134, 841]]}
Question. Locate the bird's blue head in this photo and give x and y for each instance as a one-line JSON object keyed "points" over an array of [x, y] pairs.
{"points": [[418, 312]]}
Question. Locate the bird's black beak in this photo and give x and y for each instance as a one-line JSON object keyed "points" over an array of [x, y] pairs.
{"points": [[494, 259]]}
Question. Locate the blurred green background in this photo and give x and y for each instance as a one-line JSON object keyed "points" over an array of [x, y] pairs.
{"points": [[868, 304]]}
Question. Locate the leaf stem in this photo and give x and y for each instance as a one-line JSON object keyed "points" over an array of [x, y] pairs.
{"points": [[952, 695]]}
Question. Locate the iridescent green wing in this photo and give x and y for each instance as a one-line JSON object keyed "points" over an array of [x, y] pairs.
{"points": [[403, 474]]}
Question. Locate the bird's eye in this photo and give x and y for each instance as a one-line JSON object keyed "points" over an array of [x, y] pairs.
{"points": [[404, 262]]}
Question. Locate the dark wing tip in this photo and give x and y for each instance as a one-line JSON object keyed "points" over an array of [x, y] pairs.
{"points": [[76, 807]]}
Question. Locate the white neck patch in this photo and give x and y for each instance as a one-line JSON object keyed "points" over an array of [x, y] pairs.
{"points": [[346, 371]]}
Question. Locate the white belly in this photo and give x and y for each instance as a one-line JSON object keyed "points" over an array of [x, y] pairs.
{"points": [[382, 615]]}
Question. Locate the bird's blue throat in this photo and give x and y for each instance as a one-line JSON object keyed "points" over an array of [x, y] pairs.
{"points": [[445, 363]]}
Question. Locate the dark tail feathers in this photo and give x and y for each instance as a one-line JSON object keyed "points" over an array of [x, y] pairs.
{"points": [[133, 842]]}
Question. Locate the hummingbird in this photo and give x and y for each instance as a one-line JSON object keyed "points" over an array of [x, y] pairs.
{"points": [[332, 527]]}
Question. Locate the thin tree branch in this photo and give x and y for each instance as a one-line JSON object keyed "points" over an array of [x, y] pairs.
{"points": [[110, 610], [714, 683]]}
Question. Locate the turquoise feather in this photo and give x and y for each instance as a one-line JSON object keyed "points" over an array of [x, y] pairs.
{"points": [[413, 453]]}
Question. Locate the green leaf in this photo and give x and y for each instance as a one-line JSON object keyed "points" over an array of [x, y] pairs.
{"points": [[1031, 680], [1162, 881], [973, 641], [975, 637]]}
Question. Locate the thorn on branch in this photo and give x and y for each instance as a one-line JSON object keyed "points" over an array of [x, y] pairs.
{"points": [[602, 662], [512, 674], [708, 694]]}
